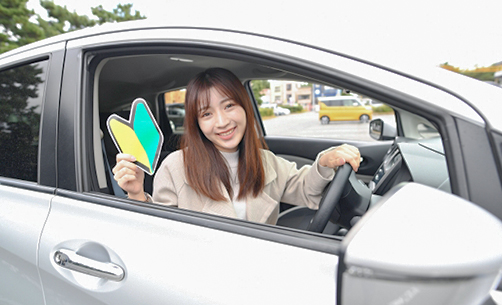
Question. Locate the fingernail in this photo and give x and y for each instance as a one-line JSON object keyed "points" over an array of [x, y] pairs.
{"points": [[133, 159]]}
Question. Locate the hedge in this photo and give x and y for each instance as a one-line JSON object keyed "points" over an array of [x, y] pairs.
{"points": [[383, 108], [266, 111], [297, 108]]}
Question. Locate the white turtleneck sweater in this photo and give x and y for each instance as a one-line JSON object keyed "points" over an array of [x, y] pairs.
{"points": [[233, 164]]}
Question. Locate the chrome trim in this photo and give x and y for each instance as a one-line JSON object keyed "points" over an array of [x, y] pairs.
{"points": [[70, 260]]}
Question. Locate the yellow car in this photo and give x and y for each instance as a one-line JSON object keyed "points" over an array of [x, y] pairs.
{"points": [[343, 108]]}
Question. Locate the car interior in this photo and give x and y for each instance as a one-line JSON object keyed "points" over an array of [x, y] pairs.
{"points": [[119, 77]]}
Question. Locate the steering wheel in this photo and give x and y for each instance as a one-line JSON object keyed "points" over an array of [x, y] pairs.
{"points": [[330, 199]]}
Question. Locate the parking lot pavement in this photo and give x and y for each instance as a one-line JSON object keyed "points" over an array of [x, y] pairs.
{"points": [[308, 124]]}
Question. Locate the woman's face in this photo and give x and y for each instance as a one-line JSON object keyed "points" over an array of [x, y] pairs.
{"points": [[223, 122]]}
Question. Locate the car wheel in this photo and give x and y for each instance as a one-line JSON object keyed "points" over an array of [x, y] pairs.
{"points": [[324, 120], [364, 118]]}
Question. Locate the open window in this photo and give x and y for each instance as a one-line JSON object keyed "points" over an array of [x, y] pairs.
{"points": [[287, 109]]}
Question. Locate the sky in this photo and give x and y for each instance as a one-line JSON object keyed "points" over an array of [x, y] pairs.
{"points": [[464, 33]]}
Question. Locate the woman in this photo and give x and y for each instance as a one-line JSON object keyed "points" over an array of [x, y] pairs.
{"points": [[223, 168]]}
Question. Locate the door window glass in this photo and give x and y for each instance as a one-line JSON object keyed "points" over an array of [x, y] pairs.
{"points": [[21, 96], [346, 114], [175, 108]]}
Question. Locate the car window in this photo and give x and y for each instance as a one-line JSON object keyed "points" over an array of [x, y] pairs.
{"points": [[299, 117], [175, 108], [21, 96], [426, 130], [310, 114]]}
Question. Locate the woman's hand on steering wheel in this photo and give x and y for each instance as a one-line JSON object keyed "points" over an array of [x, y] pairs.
{"points": [[340, 155]]}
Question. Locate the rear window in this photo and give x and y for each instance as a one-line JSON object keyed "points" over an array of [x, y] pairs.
{"points": [[21, 97]]}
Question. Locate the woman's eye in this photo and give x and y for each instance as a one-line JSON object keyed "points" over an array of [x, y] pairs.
{"points": [[230, 105], [205, 115]]}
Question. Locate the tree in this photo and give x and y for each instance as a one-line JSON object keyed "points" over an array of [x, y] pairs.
{"points": [[16, 28], [121, 13], [258, 86], [62, 20], [480, 73], [17, 25]]}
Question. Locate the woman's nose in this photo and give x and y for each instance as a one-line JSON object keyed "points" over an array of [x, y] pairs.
{"points": [[221, 119]]}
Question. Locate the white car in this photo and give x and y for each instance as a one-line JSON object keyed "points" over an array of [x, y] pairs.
{"points": [[423, 213], [281, 111]]}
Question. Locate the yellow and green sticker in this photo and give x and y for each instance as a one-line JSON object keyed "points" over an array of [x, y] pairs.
{"points": [[140, 136]]}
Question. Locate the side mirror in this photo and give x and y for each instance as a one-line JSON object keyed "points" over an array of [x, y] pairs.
{"points": [[420, 245], [381, 131]]}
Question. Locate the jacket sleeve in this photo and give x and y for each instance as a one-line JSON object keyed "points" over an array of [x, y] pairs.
{"points": [[164, 186], [303, 186]]}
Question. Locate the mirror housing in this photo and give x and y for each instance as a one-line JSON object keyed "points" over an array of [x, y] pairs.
{"points": [[381, 131], [420, 245]]}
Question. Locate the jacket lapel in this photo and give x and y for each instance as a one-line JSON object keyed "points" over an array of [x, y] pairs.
{"points": [[222, 208], [260, 209]]}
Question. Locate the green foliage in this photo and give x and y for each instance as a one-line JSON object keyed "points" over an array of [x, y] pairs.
{"points": [[382, 109], [482, 76], [63, 18], [480, 73], [18, 29], [266, 112], [257, 86], [121, 13], [293, 109]]}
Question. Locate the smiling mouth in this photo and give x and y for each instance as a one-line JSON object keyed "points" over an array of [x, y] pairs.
{"points": [[226, 133]]}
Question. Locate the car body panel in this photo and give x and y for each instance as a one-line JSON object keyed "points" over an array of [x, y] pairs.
{"points": [[424, 269], [22, 217], [168, 261]]}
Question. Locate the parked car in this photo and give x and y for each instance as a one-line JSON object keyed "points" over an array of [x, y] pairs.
{"points": [[281, 111], [343, 108], [423, 214], [176, 114]]}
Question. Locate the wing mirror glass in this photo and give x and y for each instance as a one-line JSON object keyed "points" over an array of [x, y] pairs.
{"points": [[420, 245], [381, 131]]}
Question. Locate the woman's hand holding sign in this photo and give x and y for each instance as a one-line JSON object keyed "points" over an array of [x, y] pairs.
{"points": [[129, 176]]}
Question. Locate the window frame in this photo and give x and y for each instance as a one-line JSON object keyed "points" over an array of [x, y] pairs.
{"points": [[321, 74], [46, 156]]}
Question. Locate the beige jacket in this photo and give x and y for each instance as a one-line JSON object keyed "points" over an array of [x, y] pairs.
{"points": [[283, 183]]}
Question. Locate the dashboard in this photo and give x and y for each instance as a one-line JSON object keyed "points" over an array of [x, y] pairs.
{"points": [[422, 161]]}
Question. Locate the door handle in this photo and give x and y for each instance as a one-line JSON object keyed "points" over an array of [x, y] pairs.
{"points": [[70, 260]]}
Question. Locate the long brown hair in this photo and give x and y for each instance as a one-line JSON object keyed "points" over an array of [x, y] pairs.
{"points": [[205, 167]]}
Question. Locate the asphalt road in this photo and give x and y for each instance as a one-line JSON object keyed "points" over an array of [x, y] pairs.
{"points": [[307, 124]]}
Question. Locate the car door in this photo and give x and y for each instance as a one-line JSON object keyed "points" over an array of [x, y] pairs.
{"points": [[30, 84], [170, 256]]}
